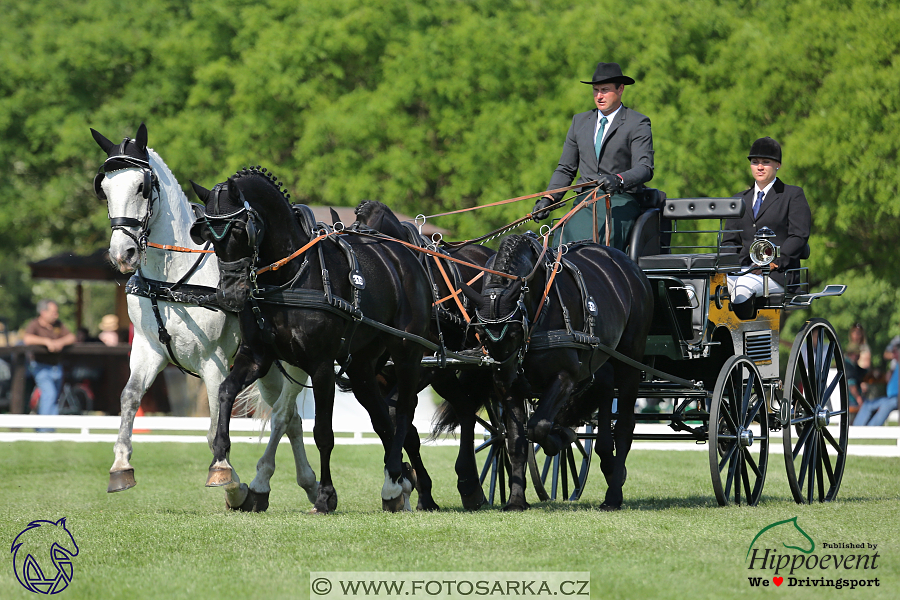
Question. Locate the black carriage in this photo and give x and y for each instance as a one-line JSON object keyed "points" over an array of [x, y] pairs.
{"points": [[730, 392]]}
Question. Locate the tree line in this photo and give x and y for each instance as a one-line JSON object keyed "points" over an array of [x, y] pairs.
{"points": [[448, 104]]}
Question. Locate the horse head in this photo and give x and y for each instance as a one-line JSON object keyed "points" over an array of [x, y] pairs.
{"points": [[129, 187], [236, 218], [502, 309]]}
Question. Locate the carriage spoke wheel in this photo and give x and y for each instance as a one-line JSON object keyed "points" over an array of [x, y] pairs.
{"points": [[738, 433], [496, 468], [815, 398], [566, 472]]}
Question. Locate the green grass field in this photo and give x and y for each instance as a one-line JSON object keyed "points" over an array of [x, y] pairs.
{"points": [[170, 537]]}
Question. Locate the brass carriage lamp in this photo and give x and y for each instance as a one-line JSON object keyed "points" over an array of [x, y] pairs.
{"points": [[763, 252]]}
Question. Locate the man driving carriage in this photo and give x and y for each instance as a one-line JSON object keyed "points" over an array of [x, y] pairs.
{"points": [[611, 144], [780, 207]]}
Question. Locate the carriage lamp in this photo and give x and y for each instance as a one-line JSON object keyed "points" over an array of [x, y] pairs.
{"points": [[763, 252]]}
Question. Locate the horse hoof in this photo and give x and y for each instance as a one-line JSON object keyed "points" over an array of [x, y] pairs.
{"points": [[218, 477], [394, 504], [119, 481], [474, 501], [516, 507], [256, 502], [610, 507], [236, 495], [326, 502], [428, 505]]}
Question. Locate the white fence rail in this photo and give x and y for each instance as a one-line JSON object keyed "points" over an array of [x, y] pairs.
{"points": [[244, 430]]}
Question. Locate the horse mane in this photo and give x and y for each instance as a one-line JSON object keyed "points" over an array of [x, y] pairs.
{"points": [[513, 258], [264, 176]]}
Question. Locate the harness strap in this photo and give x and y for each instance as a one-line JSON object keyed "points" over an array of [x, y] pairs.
{"points": [[178, 248], [166, 338], [280, 263]]}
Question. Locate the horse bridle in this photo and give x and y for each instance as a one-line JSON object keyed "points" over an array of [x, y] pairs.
{"points": [[118, 162], [254, 224]]}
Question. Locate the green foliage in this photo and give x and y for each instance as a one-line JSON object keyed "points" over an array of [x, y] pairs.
{"points": [[449, 104]]}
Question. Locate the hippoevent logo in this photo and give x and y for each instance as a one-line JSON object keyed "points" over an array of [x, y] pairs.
{"points": [[782, 553], [42, 556]]}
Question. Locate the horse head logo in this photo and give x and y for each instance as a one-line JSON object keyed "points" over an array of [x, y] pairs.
{"points": [[788, 532], [30, 552]]}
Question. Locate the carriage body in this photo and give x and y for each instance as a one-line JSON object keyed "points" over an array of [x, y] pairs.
{"points": [[738, 394]]}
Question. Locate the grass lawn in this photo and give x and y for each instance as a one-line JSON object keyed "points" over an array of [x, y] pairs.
{"points": [[170, 537]]}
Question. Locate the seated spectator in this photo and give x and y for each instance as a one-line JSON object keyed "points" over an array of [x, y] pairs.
{"points": [[47, 330], [854, 376], [109, 330], [875, 412]]}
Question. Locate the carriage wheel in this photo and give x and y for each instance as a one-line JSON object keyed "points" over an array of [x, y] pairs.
{"points": [[495, 453], [569, 467], [811, 452], [738, 433]]}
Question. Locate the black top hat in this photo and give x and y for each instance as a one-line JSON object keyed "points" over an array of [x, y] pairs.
{"points": [[765, 148], [609, 72]]}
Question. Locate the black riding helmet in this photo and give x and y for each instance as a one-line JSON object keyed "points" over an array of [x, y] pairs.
{"points": [[765, 148]]}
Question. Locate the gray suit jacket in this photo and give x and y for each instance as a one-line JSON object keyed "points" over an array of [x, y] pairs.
{"points": [[627, 151]]}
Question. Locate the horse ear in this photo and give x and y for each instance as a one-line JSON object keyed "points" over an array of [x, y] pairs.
{"points": [[141, 137], [201, 192], [234, 194], [470, 293], [101, 140], [334, 216]]}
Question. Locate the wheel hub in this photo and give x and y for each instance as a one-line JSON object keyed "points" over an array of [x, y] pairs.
{"points": [[822, 418], [746, 438]]}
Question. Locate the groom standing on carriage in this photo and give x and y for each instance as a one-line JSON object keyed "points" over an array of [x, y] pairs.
{"points": [[612, 145]]}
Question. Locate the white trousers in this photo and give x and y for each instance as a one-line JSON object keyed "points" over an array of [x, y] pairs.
{"points": [[744, 287]]}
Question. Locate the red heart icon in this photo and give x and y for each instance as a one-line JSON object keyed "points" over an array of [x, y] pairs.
{"points": [[778, 580]]}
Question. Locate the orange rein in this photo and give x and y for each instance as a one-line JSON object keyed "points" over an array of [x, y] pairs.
{"points": [[178, 248]]}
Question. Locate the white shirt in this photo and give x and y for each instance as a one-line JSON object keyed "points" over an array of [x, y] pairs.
{"points": [[765, 191], [609, 120]]}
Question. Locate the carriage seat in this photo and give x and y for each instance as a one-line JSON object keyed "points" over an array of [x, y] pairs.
{"points": [[689, 264]]}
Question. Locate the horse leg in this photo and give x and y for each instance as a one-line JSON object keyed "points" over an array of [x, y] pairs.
{"points": [[306, 477], [517, 447], [628, 380], [542, 427], [367, 392], [460, 394], [603, 389], [246, 370], [145, 366], [407, 357], [323, 433]]}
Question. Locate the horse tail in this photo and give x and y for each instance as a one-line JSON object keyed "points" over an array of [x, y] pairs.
{"points": [[445, 420], [249, 403]]}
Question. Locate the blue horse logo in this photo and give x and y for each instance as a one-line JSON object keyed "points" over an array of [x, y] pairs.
{"points": [[30, 549]]}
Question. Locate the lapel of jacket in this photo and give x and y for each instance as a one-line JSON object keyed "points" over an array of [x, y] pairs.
{"points": [[612, 127], [586, 132], [773, 197]]}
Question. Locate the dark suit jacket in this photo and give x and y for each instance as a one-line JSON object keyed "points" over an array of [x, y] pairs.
{"points": [[627, 151], [786, 212]]}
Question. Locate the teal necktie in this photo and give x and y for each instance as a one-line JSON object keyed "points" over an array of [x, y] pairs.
{"points": [[598, 141]]}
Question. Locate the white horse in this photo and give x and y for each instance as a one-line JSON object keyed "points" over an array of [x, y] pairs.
{"points": [[151, 218]]}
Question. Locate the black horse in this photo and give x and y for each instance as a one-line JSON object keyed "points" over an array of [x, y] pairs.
{"points": [[464, 391], [597, 295], [354, 297]]}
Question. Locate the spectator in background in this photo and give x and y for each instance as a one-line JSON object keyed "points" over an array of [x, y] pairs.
{"points": [[47, 330], [854, 376], [858, 337], [109, 330], [875, 412]]}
